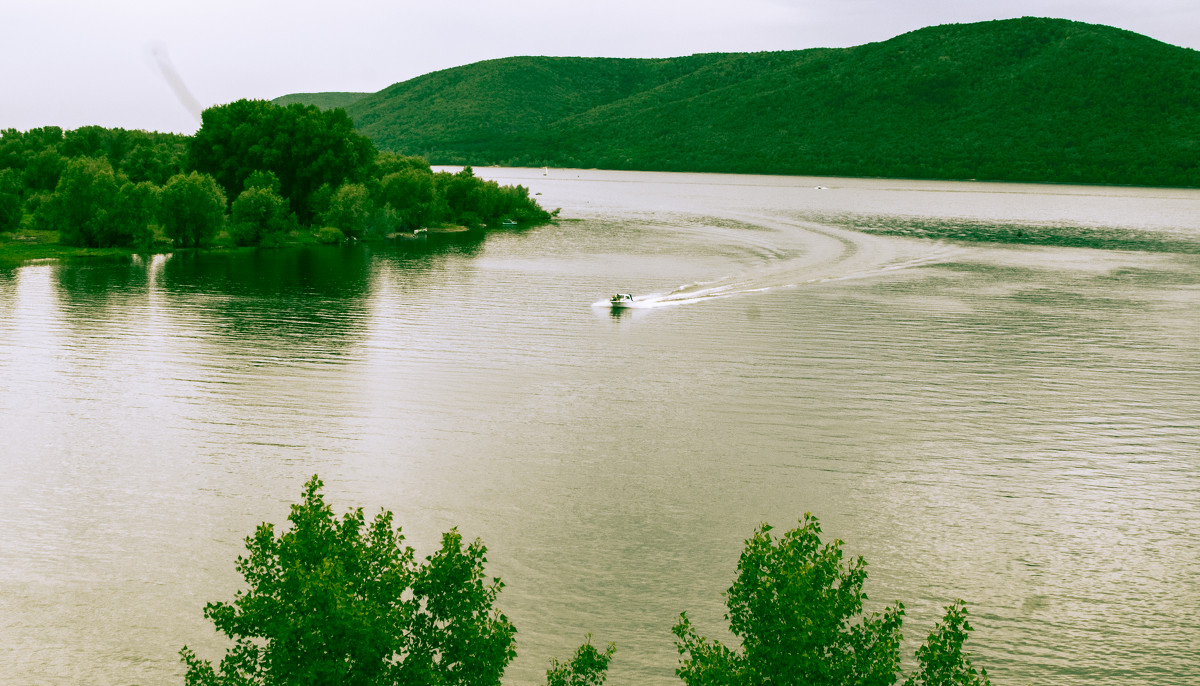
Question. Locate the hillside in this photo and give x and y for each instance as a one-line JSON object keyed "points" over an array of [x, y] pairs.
{"points": [[326, 101], [1023, 99]]}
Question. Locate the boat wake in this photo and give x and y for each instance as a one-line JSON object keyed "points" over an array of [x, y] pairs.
{"points": [[808, 254]]}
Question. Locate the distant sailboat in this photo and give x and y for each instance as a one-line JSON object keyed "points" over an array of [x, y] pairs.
{"points": [[545, 171]]}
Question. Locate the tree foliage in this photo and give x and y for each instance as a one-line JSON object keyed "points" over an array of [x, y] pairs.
{"points": [[260, 213], [304, 147], [588, 667], [941, 661], [136, 212], [93, 207], [97, 187], [410, 193], [280, 166], [343, 601], [43, 169], [797, 608], [464, 198], [350, 209], [192, 209], [10, 200], [83, 203]]}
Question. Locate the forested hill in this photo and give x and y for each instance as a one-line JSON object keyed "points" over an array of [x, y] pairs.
{"points": [[326, 101], [1023, 99]]}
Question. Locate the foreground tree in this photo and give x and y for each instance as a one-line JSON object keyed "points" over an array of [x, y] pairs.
{"points": [[588, 667], [797, 607], [343, 602], [941, 661]]}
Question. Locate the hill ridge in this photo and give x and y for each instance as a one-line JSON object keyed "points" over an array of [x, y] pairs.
{"points": [[1030, 99]]}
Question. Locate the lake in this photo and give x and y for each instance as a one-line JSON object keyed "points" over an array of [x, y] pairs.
{"points": [[1014, 424]]}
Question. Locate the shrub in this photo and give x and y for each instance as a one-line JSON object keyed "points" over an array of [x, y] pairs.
{"points": [[329, 235]]}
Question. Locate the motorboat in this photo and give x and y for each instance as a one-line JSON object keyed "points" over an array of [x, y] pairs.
{"points": [[621, 301]]}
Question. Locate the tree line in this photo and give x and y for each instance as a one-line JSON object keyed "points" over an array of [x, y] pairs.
{"points": [[253, 174], [346, 601]]}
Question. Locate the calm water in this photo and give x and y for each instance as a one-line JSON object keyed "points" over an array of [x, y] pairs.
{"points": [[1018, 426]]}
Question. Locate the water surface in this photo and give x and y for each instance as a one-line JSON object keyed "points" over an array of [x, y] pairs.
{"points": [[1011, 424]]}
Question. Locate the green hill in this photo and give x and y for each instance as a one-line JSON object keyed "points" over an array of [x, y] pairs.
{"points": [[326, 101], [1023, 99]]}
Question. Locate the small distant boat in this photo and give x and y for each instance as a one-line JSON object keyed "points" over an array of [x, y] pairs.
{"points": [[621, 300], [508, 223]]}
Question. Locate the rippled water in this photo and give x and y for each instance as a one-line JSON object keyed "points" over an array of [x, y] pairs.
{"points": [[1015, 425]]}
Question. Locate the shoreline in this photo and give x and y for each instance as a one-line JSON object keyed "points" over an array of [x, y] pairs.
{"points": [[18, 249]]}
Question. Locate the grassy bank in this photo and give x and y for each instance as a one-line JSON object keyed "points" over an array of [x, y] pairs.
{"points": [[22, 247]]}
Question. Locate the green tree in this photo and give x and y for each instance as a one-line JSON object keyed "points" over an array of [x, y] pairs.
{"points": [[797, 608], [10, 200], [263, 179], [84, 206], [350, 209], [389, 163], [304, 147], [86, 141], [465, 197], [259, 213], [409, 192], [455, 635], [588, 667], [344, 602], [137, 207], [192, 209], [941, 661], [152, 162], [43, 170]]}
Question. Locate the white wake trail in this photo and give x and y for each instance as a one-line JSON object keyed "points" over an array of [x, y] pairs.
{"points": [[806, 254]]}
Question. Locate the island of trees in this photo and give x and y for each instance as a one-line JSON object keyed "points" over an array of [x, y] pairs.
{"points": [[1034, 100], [255, 174]]}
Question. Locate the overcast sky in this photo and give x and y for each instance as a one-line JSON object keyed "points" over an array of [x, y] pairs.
{"points": [[146, 63]]}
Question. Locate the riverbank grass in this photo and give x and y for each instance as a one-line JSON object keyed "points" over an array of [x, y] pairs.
{"points": [[27, 245]]}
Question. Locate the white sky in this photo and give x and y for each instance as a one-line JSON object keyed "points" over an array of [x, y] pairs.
{"points": [[71, 63]]}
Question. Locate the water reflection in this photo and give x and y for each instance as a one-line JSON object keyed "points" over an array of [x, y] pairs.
{"points": [[323, 271]]}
